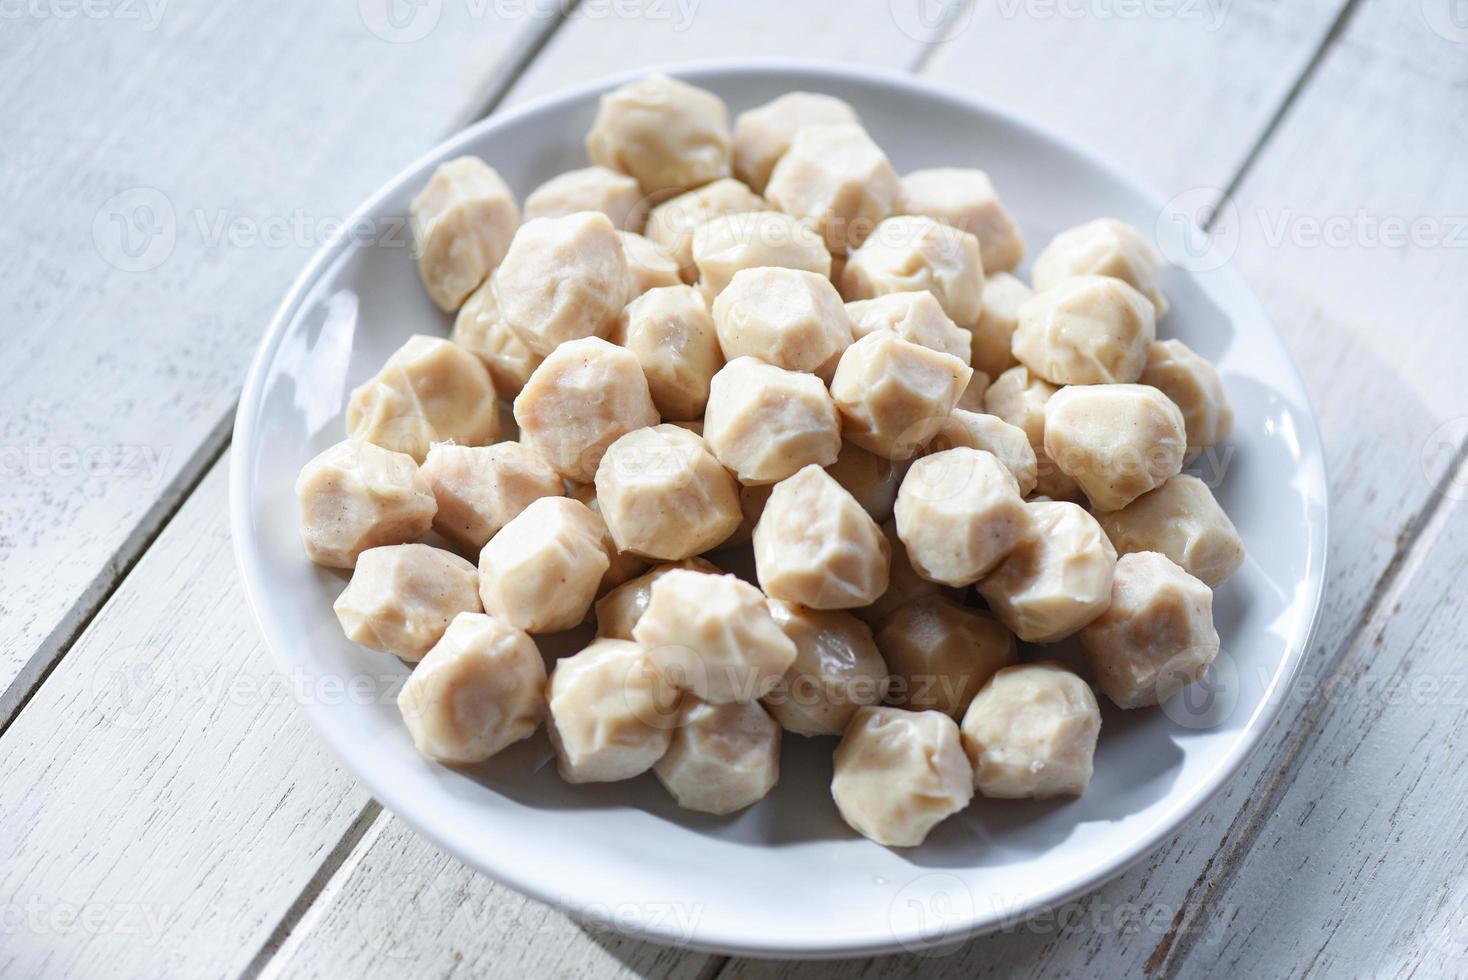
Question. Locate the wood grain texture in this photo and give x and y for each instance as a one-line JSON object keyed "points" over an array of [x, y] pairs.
{"points": [[1359, 865], [400, 906], [169, 174], [162, 802], [1163, 90], [887, 35]]}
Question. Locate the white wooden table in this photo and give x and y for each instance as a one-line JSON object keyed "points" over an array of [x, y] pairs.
{"points": [[163, 809]]}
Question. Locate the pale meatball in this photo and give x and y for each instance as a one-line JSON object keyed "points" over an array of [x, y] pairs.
{"points": [[960, 514], [966, 199], [764, 422], [786, 317], [622, 566], [916, 317], [911, 252], [620, 609], [563, 279], [1193, 385], [993, 332], [815, 545], [648, 266], [1018, 397], [990, 433], [481, 330], [671, 224], [541, 572], [480, 689], [1057, 579], [479, 489], [837, 181], [871, 479], [590, 189], [940, 654], [609, 715], [723, 757], [732, 243], [899, 774], [402, 597], [356, 496], [1105, 247], [1089, 330], [894, 396], [904, 584], [462, 221], [763, 134], [713, 635], [1182, 520], [837, 670], [585, 396], [1031, 733], [664, 495], [666, 133], [1116, 441], [672, 333], [430, 390], [1157, 635]]}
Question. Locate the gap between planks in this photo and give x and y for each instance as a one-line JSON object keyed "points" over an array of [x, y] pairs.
{"points": [[1266, 136]]}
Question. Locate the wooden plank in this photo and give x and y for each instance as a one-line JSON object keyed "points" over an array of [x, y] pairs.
{"points": [[886, 35], [1171, 91], [172, 170], [1359, 866], [401, 907], [1377, 129], [162, 802]]}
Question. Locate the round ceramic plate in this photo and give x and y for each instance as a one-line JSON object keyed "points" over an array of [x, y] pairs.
{"points": [[785, 877]]}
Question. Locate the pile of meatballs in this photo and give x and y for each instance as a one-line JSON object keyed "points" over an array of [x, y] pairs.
{"points": [[763, 336]]}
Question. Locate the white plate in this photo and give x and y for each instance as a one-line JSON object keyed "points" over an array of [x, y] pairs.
{"points": [[785, 877]]}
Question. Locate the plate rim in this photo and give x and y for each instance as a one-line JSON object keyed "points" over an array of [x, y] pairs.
{"points": [[248, 562]]}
